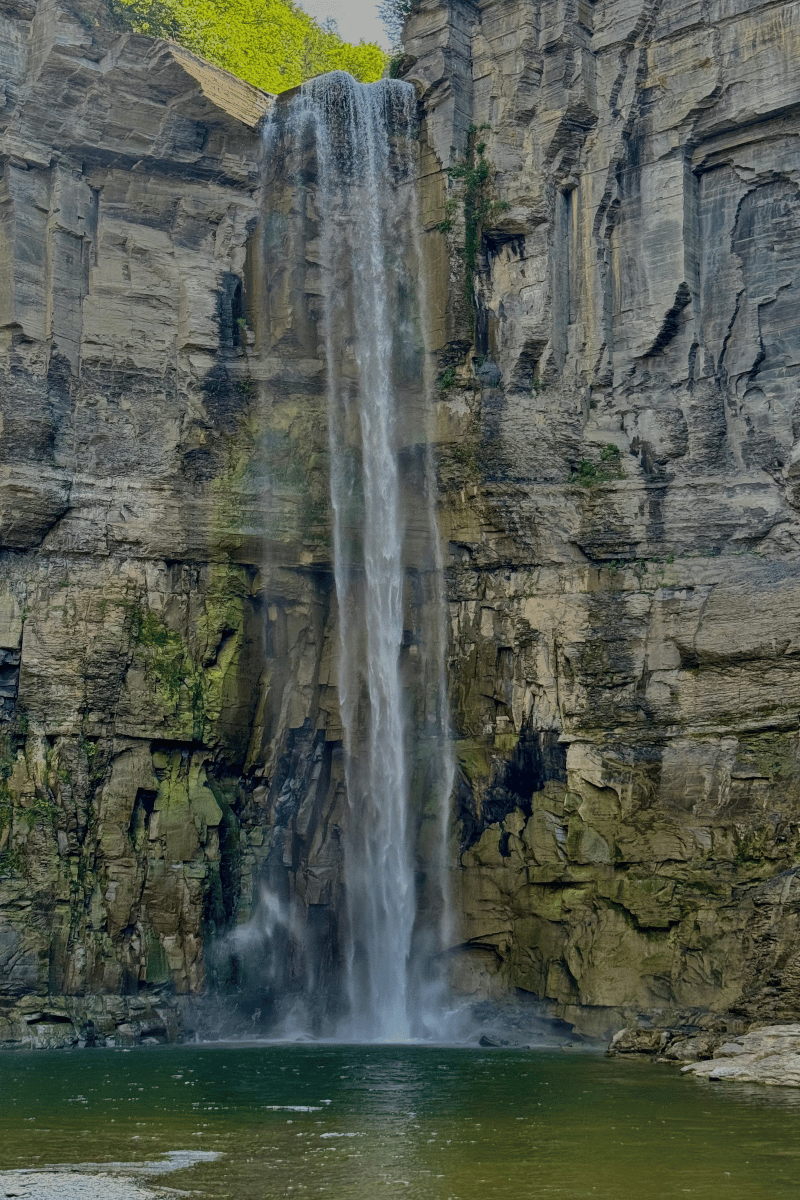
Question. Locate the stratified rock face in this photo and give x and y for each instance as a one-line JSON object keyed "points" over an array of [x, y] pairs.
{"points": [[618, 349], [131, 644], [619, 468]]}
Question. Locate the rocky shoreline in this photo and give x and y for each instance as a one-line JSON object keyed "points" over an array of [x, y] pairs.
{"points": [[765, 1054], [63, 1023], [101, 1181]]}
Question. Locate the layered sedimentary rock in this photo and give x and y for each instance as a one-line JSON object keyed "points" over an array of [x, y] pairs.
{"points": [[617, 432], [622, 515], [131, 641], [769, 1055]]}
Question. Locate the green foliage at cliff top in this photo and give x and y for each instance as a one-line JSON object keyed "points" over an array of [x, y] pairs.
{"points": [[272, 44]]}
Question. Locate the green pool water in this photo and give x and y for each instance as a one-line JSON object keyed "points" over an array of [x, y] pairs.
{"points": [[366, 1122]]}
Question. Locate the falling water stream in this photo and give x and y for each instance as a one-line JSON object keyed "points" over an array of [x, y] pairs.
{"points": [[382, 497], [425, 1122], [360, 218]]}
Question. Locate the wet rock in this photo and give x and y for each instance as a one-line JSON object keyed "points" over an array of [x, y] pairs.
{"points": [[638, 1041], [623, 558], [690, 1049], [125, 638], [53, 1035]]}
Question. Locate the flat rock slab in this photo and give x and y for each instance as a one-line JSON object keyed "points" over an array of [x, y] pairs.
{"points": [[58, 1185], [770, 1056], [100, 1181]]}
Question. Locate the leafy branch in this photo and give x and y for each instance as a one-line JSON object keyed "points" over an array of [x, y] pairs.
{"points": [[475, 173]]}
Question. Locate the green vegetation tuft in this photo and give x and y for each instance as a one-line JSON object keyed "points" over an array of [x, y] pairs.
{"points": [[609, 468], [169, 663], [16, 817], [466, 456], [271, 44], [475, 174], [11, 862], [43, 810], [12, 738], [775, 755]]}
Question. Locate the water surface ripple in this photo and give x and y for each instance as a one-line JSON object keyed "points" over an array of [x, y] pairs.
{"points": [[421, 1122]]}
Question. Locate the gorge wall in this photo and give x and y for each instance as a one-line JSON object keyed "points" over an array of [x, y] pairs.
{"points": [[131, 631], [619, 448], [617, 432]]}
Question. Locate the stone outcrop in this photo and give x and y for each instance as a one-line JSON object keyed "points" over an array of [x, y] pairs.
{"points": [[618, 438], [769, 1055], [766, 1054]]}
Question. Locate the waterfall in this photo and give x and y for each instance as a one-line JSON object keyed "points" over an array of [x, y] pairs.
{"points": [[361, 212], [353, 148]]}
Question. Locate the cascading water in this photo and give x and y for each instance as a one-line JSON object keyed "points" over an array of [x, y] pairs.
{"points": [[348, 232], [368, 200], [350, 124]]}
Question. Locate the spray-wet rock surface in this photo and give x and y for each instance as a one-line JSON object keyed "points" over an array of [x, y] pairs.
{"points": [[610, 204]]}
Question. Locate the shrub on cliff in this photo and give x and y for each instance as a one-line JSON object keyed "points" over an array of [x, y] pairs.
{"points": [[272, 44]]}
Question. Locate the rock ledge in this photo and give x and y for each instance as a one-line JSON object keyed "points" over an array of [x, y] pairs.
{"points": [[770, 1056]]}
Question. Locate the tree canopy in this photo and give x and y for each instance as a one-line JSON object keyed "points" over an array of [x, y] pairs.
{"points": [[272, 44]]}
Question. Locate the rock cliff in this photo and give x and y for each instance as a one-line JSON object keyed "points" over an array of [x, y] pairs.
{"points": [[129, 623], [610, 209], [619, 465]]}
